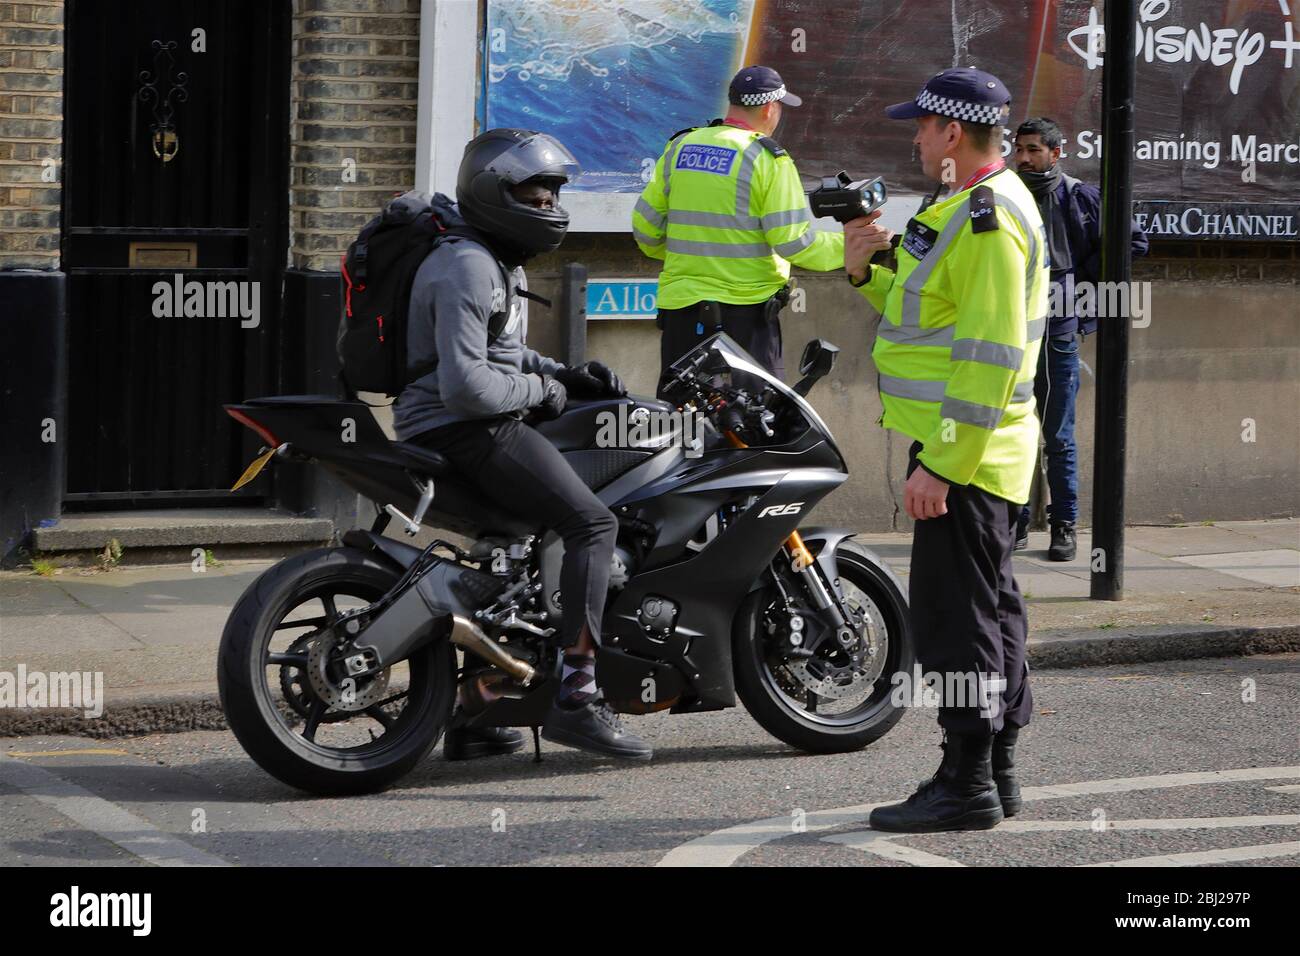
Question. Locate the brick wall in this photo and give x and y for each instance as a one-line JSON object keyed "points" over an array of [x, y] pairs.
{"points": [[1226, 261], [31, 130], [353, 111]]}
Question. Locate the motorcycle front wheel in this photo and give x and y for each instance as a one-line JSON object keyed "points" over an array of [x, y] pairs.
{"points": [[820, 705], [285, 692]]}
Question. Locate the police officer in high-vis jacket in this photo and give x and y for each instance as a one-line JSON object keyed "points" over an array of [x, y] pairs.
{"points": [[963, 317], [726, 212]]}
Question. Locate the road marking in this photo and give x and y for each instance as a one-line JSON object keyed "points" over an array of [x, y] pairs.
{"points": [[1186, 823], [67, 753], [1210, 857], [137, 836], [882, 844], [1289, 788], [724, 847]]}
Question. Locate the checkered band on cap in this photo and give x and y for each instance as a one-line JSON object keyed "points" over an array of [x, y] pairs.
{"points": [[962, 109], [758, 99]]}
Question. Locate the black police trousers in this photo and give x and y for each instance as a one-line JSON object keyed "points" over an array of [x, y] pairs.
{"points": [[755, 328], [515, 467], [967, 613]]}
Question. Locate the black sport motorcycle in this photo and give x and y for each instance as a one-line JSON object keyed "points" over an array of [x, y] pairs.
{"points": [[338, 667]]}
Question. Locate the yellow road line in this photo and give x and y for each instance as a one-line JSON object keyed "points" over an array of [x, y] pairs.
{"points": [[65, 753]]}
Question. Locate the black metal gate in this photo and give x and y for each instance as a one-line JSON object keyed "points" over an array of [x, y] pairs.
{"points": [[176, 165]]}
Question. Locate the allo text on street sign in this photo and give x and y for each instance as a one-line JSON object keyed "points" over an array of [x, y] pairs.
{"points": [[622, 298]]}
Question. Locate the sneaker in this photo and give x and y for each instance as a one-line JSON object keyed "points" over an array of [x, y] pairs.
{"points": [[1022, 538], [595, 727], [1064, 546]]}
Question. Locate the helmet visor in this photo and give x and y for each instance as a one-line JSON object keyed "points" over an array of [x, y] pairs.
{"points": [[539, 155]]}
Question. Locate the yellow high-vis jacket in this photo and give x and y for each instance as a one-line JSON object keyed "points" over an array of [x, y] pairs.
{"points": [[962, 323], [726, 212]]}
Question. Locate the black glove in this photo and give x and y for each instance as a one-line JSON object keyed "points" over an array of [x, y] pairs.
{"points": [[614, 386], [592, 380], [554, 397]]}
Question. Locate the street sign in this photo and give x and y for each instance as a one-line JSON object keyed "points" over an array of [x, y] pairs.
{"points": [[622, 298]]}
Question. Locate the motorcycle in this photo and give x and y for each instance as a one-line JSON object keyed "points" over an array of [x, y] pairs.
{"points": [[338, 667]]}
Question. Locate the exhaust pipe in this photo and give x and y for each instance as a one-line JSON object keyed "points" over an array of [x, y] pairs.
{"points": [[470, 636]]}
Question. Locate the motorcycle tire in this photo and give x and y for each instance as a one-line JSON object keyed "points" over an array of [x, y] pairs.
{"points": [[774, 711], [257, 718]]}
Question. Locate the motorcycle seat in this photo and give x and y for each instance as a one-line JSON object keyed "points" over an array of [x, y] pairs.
{"points": [[425, 460]]}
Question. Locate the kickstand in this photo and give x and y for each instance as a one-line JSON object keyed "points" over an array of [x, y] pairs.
{"points": [[537, 745]]}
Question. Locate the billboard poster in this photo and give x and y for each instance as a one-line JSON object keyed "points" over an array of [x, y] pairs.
{"points": [[1217, 106], [610, 78]]}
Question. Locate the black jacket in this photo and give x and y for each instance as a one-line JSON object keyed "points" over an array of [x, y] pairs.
{"points": [[1081, 205]]}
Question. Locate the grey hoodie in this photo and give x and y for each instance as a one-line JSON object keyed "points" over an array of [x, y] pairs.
{"points": [[457, 287]]}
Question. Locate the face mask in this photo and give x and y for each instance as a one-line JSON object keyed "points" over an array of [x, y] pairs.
{"points": [[1039, 183]]}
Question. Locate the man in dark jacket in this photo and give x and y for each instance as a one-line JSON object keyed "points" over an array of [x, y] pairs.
{"points": [[1071, 212], [466, 333]]}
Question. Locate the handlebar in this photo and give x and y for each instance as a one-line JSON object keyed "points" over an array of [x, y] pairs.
{"points": [[732, 410], [741, 402]]}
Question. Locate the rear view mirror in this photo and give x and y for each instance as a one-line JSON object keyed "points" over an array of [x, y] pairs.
{"points": [[817, 361]]}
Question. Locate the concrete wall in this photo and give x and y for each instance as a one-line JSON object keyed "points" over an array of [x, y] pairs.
{"points": [[1223, 346]]}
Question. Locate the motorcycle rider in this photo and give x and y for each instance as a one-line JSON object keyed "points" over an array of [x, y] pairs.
{"points": [[466, 333]]}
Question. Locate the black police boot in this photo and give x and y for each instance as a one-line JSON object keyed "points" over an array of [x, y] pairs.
{"points": [[1004, 770], [960, 796], [1063, 545], [594, 727], [466, 743]]}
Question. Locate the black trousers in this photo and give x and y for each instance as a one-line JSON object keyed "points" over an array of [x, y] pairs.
{"points": [[756, 328], [968, 616], [515, 467]]}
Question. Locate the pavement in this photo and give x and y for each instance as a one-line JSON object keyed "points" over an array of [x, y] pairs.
{"points": [[1212, 590], [178, 528]]}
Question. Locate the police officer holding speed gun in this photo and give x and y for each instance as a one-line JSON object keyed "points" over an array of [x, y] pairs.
{"points": [[726, 212], [962, 320]]}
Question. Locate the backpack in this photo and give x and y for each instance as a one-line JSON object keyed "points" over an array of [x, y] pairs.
{"points": [[378, 273]]}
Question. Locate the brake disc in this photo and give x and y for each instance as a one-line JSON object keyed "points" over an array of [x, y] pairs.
{"points": [[293, 679], [841, 682], [868, 657], [874, 635], [350, 694]]}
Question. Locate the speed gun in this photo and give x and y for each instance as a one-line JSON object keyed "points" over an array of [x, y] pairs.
{"points": [[844, 200]]}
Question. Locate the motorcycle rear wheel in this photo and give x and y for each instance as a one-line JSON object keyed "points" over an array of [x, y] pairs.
{"points": [[277, 713]]}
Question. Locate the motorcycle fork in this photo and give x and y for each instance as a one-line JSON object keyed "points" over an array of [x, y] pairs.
{"points": [[830, 607], [825, 597]]}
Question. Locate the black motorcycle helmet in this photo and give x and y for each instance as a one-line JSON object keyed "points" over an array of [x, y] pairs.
{"points": [[499, 159]]}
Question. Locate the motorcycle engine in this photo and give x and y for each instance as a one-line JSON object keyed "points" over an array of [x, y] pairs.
{"points": [[658, 617]]}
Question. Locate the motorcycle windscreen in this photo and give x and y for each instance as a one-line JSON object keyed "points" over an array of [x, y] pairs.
{"points": [[721, 355]]}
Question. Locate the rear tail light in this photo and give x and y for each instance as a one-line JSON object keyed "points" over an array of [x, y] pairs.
{"points": [[262, 431]]}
